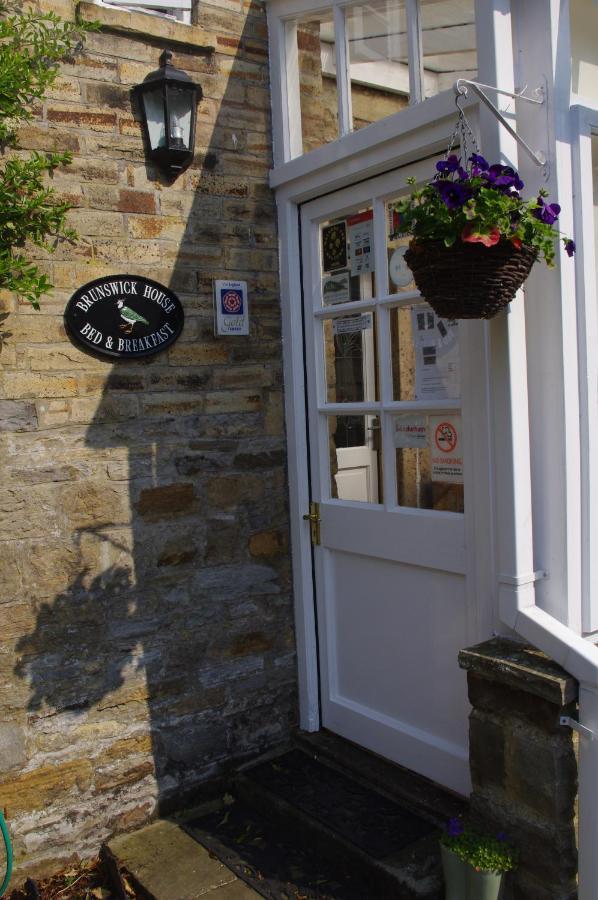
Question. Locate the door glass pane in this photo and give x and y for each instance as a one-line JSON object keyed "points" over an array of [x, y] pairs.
{"points": [[350, 358], [429, 461], [347, 258], [424, 354], [378, 56], [355, 458], [400, 277], [317, 80], [448, 43]]}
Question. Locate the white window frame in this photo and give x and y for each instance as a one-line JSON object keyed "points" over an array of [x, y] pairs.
{"points": [[284, 64], [584, 124], [180, 10]]}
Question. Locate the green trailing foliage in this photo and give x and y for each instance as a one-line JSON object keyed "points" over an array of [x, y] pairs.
{"points": [[479, 204], [481, 851], [31, 47]]}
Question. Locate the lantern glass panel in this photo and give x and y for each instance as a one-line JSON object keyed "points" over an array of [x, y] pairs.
{"points": [[153, 102], [180, 105]]}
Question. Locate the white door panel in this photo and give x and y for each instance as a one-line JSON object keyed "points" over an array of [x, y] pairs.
{"points": [[374, 628], [415, 537], [357, 475], [391, 567]]}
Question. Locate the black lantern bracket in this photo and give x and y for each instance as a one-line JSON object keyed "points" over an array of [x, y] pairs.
{"points": [[168, 101]]}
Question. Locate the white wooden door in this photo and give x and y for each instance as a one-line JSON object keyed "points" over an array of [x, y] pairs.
{"points": [[384, 417]]}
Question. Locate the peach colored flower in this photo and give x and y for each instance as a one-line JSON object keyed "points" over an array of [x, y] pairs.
{"points": [[471, 236]]}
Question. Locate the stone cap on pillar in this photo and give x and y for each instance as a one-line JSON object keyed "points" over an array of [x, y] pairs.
{"points": [[520, 666]]}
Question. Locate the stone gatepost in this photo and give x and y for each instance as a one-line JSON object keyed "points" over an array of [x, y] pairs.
{"points": [[524, 763]]}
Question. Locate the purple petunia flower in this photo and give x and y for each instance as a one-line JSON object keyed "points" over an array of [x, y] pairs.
{"points": [[509, 178], [570, 247], [546, 212], [493, 172], [453, 193], [449, 165], [504, 178], [478, 164], [455, 827]]}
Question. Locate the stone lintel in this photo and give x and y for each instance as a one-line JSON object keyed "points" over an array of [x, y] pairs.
{"points": [[144, 25], [520, 666]]}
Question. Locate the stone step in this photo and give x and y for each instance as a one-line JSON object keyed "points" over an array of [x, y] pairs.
{"points": [[319, 820], [390, 851], [165, 863], [324, 818], [419, 794]]}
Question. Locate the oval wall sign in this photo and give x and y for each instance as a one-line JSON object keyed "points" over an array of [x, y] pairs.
{"points": [[125, 316]]}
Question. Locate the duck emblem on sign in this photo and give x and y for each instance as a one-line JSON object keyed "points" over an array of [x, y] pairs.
{"points": [[124, 316]]}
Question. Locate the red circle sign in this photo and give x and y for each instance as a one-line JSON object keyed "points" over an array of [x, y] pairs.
{"points": [[445, 437]]}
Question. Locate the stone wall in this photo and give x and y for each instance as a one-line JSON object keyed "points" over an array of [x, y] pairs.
{"points": [[147, 635], [524, 763]]}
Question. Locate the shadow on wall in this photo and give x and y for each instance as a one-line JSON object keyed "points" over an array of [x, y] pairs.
{"points": [[170, 652]]}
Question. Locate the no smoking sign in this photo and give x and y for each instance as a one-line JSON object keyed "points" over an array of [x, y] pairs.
{"points": [[446, 459], [445, 437]]}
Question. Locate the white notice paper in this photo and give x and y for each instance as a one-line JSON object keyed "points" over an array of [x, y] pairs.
{"points": [[351, 324], [437, 362], [336, 288], [361, 242], [411, 430]]}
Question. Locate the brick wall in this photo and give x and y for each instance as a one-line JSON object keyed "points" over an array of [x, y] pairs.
{"points": [[147, 621]]}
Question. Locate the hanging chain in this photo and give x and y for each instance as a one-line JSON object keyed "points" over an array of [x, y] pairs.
{"points": [[467, 139]]}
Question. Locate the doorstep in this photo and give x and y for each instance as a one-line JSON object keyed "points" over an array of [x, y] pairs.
{"points": [[169, 865]]}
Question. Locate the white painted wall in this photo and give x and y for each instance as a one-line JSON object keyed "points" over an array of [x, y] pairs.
{"points": [[584, 49]]}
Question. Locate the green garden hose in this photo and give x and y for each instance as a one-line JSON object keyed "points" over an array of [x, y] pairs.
{"points": [[8, 846]]}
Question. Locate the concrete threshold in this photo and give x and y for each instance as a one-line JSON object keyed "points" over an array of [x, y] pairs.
{"points": [[170, 865]]}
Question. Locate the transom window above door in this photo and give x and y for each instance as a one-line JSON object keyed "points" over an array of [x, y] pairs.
{"points": [[345, 66]]}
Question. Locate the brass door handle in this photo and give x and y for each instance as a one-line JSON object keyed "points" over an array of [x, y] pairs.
{"points": [[313, 517]]}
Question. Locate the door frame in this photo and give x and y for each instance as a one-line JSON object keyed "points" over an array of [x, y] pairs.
{"points": [[410, 135]]}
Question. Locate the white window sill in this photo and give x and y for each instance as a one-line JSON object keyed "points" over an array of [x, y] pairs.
{"points": [[142, 23]]}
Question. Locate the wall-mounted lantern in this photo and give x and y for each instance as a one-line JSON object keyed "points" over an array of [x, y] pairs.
{"points": [[168, 99]]}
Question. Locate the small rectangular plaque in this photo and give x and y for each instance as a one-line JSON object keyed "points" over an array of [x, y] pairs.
{"points": [[232, 313]]}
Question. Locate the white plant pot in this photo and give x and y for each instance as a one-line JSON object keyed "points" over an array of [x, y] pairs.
{"points": [[462, 882], [455, 875], [483, 885]]}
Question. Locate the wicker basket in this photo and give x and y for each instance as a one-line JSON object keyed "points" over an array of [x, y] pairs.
{"points": [[468, 281]]}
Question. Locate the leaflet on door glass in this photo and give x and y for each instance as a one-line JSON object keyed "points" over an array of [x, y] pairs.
{"points": [[437, 362]]}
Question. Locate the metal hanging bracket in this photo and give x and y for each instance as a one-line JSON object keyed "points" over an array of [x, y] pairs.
{"points": [[462, 86], [576, 726]]}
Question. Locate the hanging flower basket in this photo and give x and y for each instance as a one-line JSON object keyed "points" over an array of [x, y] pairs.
{"points": [[468, 280], [474, 238]]}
